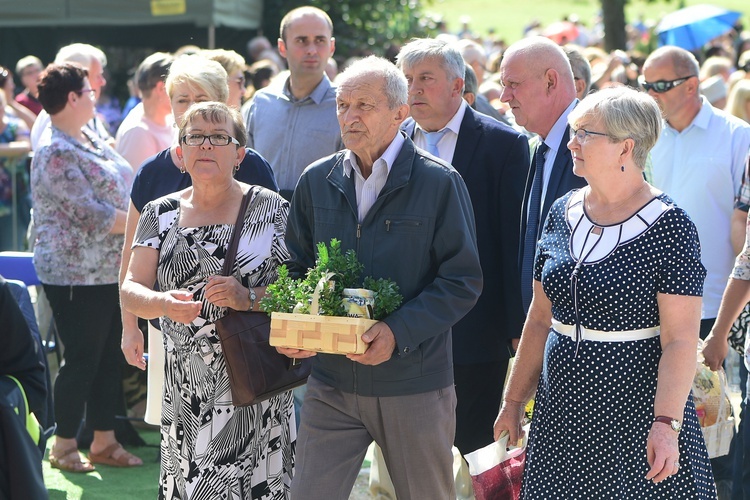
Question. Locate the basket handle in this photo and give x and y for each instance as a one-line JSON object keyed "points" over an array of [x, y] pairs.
{"points": [[322, 282], [724, 394]]}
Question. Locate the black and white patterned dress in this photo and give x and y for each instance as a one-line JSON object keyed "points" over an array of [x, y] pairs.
{"points": [[211, 449], [595, 407]]}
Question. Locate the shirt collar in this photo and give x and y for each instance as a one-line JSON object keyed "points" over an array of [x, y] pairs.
{"points": [[703, 117], [454, 124], [317, 95], [555, 136], [389, 156]]}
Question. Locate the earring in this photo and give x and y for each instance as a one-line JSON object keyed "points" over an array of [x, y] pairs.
{"points": [[236, 168], [182, 170], [622, 168]]}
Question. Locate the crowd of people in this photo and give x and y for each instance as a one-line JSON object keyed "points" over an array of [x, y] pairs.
{"points": [[578, 210]]}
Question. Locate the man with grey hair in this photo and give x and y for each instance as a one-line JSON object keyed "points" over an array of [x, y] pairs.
{"points": [[148, 129], [581, 70], [699, 160], [493, 160], [409, 217], [94, 61], [538, 85]]}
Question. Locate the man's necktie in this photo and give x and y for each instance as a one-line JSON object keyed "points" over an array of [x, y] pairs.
{"points": [[432, 139], [532, 227]]}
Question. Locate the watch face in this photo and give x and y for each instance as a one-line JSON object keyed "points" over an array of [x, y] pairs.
{"points": [[676, 425]]}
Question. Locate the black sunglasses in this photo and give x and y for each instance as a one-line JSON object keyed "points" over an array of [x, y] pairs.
{"points": [[662, 85]]}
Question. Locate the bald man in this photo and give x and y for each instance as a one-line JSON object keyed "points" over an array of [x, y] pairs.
{"points": [[699, 160], [539, 87]]}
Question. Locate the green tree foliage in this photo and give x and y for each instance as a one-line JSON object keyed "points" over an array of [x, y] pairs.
{"points": [[361, 27]]}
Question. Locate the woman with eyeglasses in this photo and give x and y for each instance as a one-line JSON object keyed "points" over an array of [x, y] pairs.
{"points": [[80, 196], [610, 341], [210, 448], [191, 79]]}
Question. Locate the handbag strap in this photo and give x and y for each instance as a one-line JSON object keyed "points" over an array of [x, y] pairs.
{"points": [[234, 240]]}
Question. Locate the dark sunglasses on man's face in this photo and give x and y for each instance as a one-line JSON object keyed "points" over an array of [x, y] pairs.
{"points": [[662, 85]]}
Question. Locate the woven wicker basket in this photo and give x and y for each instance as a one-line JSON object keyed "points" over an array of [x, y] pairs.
{"points": [[329, 334]]}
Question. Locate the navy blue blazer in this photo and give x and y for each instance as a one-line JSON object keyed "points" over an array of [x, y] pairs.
{"points": [[493, 160], [562, 179]]}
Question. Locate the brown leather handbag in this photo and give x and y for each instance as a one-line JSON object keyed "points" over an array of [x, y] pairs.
{"points": [[257, 371]]}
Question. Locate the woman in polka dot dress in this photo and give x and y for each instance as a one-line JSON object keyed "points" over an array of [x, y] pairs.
{"points": [[611, 338]]}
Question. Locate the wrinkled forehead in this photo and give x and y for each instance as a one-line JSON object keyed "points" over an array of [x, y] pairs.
{"points": [[360, 87]]}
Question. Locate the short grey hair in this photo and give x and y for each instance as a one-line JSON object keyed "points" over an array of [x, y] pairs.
{"points": [[625, 113], [26, 62], [395, 87], [580, 66], [421, 49], [81, 53]]}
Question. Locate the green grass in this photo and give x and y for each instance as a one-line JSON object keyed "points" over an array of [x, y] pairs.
{"points": [[508, 18], [107, 483], [128, 483]]}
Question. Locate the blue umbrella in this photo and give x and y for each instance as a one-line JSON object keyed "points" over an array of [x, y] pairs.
{"points": [[692, 27]]}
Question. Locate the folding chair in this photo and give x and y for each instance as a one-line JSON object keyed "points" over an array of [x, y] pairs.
{"points": [[20, 266]]}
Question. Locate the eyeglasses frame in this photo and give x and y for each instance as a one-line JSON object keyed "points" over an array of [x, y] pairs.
{"points": [[232, 140]]}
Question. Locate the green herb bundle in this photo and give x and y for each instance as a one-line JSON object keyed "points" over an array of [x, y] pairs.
{"points": [[337, 271]]}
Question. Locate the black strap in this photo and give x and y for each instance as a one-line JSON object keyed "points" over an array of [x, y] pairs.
{"points": [[234, 241]]}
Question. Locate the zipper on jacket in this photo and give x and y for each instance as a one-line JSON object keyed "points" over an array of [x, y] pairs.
{"points": [[408, 223], [354, 364]]}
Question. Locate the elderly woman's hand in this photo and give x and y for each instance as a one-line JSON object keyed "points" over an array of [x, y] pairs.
{"points": [[510, 420], [132, 346], [715, 350], [662, 452], [226, 291], [178, 306]]}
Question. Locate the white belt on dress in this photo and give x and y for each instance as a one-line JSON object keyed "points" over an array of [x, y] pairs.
{"points": [[600, 336]]}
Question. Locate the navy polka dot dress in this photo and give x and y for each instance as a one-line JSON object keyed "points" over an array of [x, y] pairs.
{"points": [[594, 407]]}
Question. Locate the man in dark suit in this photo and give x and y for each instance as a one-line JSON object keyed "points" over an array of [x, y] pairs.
{"points": [[493, 160], [538, 85]]}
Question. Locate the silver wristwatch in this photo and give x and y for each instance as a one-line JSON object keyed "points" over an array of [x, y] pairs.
{"points": [[252, 296]]}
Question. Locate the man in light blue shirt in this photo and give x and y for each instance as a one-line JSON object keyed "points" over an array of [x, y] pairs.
{"points": [[698, 161], [292, 122]]}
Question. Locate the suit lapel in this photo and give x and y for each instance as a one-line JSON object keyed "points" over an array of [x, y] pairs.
{"points": [[468, 137]]}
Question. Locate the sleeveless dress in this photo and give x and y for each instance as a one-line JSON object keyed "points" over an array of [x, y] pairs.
{"points": [[211, 449], [595, 400]]}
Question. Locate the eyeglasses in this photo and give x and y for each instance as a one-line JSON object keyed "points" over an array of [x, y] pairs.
{"points": [[662, 85], [214, 139], [92, 92], [581, 134]]}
